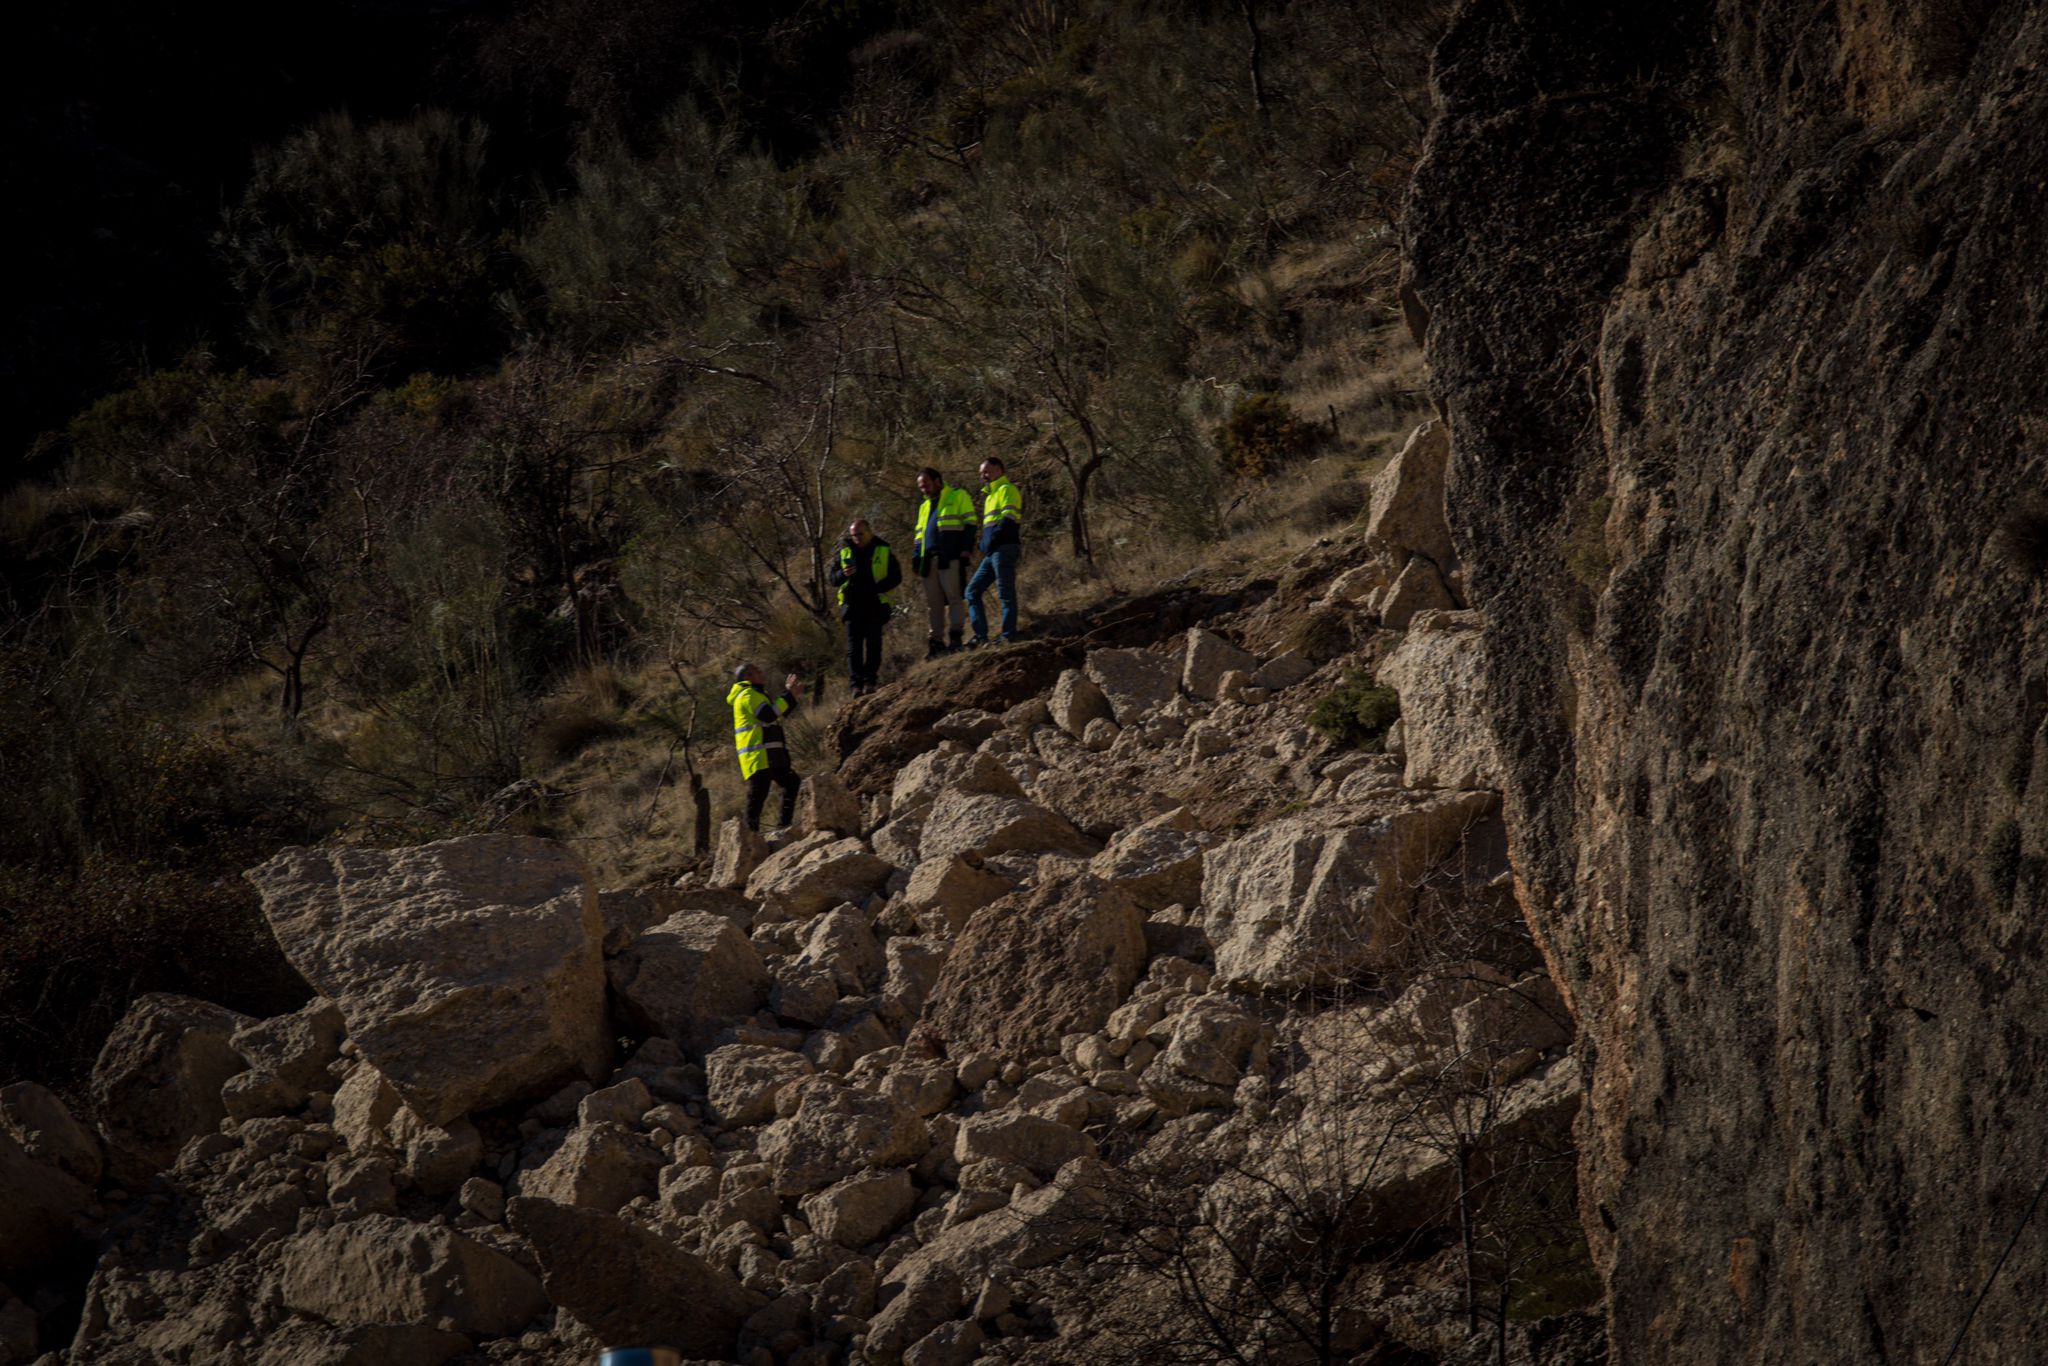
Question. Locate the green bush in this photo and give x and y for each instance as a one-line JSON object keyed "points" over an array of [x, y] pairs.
{"points": [[1357, 713], [1260, 436]]}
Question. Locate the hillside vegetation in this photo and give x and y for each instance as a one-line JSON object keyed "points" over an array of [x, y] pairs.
{"points": [[522, 439]]}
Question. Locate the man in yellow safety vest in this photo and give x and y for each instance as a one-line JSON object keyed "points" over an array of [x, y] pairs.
{"points": [[1002, 522], [945, 535], [757, 735], [864, 572]]}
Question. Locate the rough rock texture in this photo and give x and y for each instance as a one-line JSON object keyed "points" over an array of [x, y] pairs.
{"points": [[628, 912], [686, 974], [1134, 681], [1741, 362], [469, 971], [631, 1287], [816, 873], [740, 852], [157, 1080], [1310, 900], [1037, 965], [944, 892], [1157, 862], [1437, 669], [381, 1270], [1208, 658], [1408, 502], [971, 823]]}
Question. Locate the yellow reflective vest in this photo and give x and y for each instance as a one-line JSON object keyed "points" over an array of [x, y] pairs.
{"points": [[955, 524], [878, 566], [749, 732], [1002, 514]]}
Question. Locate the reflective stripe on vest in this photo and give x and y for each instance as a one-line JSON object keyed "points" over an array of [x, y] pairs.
{"points": [[878, 567], [749, 734], [1003, 502], [956, 513]]}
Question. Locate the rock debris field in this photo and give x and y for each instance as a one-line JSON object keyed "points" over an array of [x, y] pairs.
{"points": [[888, 1090]]}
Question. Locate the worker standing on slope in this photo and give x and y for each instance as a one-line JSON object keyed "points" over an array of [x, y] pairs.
{"points": [[1002, 522], [864, 572], [757, 734], [945, 535]]}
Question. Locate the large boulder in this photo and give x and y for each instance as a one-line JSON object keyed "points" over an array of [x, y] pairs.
{"points": [[1439, 671], [862, 1208], [1313, 900], [1075, 701], [599, 1166], [944, 892], [1134, 681], [1158, 862], [629, 1286], [384, 1270], [628, 912], [1418, 588], [834, 1132], [824, 803], [1408, 500], [686, 976], [1041, 1146], [157, 1080], [741, 1080], [740, 851], [979, 823], [1215, 1042], [1104, 795], [842, 944], [469, 971], [1055, 1221], [948, 769], [1207, 657], [1037, 965], [816, 873]]}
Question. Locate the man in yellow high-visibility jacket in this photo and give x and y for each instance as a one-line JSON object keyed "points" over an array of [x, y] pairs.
{"points": [[945, 536], [757, 735], [864, 572], [1002, 521]]}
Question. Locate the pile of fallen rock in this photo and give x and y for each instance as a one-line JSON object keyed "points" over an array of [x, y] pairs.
{"points": [[835, 1100]]}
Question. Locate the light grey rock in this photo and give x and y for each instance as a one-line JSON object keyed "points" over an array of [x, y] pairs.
{"points": [[1135, 682], [1206, 659], [468, 971], [1306, 902]]}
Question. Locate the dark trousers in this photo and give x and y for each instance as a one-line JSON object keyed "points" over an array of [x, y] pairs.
{"points": [[864, 647], [779, 774]]}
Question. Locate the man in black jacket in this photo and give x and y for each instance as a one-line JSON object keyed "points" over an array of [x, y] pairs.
{"points": [[864, 572]]}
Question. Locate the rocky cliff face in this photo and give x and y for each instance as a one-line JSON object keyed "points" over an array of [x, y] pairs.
{"points": [[1736, 315]]}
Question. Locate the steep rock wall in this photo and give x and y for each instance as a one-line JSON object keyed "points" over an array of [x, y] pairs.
{"points": [[1737, 313]]}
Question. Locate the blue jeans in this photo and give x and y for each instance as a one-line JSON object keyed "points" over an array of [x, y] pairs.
{"points": [[999, 567]]}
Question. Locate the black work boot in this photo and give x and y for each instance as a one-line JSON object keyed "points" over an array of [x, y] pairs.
{"points": [[934, 647], [955, 645]]}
